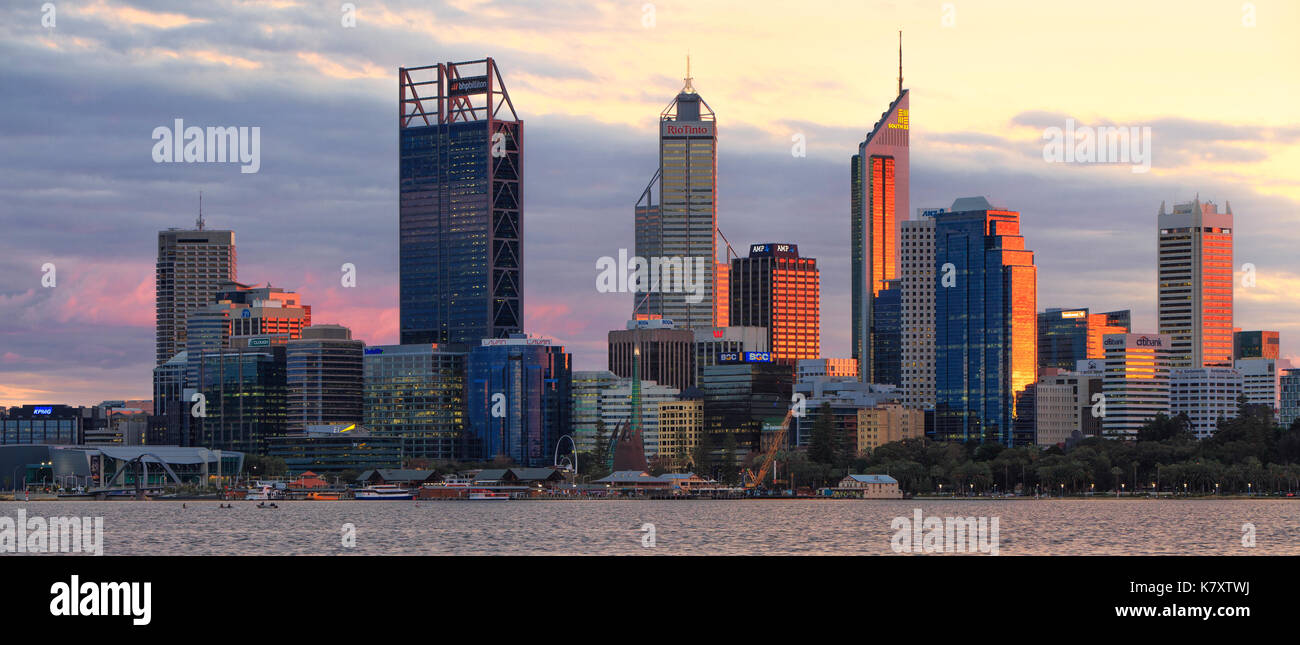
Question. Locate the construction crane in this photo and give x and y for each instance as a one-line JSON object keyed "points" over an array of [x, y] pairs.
{"points": [[752, 481]]}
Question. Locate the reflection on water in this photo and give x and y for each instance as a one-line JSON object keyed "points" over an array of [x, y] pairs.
{"points": [[749, 527]]}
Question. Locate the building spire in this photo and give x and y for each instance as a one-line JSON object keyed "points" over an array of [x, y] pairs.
{"points": [[900, 62], [688, 88]]}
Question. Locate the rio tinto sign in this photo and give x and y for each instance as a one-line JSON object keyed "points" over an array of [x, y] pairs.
{"points": [[676, 129]]}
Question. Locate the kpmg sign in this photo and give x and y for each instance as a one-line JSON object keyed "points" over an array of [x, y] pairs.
{"points": [[468, 85], [43, 410]]}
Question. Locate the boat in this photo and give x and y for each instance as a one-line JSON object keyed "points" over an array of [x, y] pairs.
{"points": [[323, 497], [484, 495], [384, 492], [256, 493]]}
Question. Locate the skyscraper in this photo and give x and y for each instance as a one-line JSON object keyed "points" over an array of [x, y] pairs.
{"points": [[1067, 336], [667, 355], [986, 324], [886, 337], [777, 289], [879, 202], [1195, 283], [460, 204], [682, 224], [1256, 344], [191, 265], [916, 371], [417, 392]]}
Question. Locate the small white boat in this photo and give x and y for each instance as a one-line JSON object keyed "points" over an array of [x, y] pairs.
{"points": [[384, 492], [263, 493], [482, 495]]}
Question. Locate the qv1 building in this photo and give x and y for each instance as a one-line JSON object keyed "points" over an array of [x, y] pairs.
{"points": [[1135, 382], [518, 398]]}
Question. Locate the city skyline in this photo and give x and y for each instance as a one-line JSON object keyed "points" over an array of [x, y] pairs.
{"points": [[304, 214]]}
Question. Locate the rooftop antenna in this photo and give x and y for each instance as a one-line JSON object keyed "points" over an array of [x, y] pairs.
{"points": [[688, 88], [900, 62], [200, 222]]}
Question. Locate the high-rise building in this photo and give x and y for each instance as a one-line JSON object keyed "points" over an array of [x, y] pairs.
{"points": [[986, 324], [726, 341], [192, 264], [1256, 344], [776, 288], [886, 423], [677, 214], [1063, 405], [667, 354], [878, 190], [417, 392], [916, 350], [460, 246], [887, 334], [1135, 382], [323, 371], [518, 392], [1195, 283], [846, 395], [1067, 336]]}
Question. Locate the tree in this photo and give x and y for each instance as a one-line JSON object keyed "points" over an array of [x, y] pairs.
{"points": [[821, 448], [595, 464]]}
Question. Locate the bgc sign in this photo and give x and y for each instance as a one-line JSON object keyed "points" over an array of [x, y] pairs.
{"points": [[744, 357]]}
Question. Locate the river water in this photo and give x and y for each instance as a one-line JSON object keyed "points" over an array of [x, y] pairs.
{"points": [[697, 527]]}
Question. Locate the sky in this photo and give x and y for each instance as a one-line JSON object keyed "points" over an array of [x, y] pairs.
{"points": [[86, 83]]}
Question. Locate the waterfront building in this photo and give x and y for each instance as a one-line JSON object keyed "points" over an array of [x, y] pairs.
{"points": [[460, 204], [1135, 382], [45, 424], [776, 288], [1194, 305], [417, 393], [1067, 336], [93, 466], [1256, 344], [869, 487], [726, 341], [986, 326], [324, 376], [518, 393], [1205, 395], [677, 213], [191, 265], [916, 337], [878, 189], [334, 448], [667, 353]]}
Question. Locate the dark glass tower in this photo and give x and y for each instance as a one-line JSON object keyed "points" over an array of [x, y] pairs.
{"points": [[460, 204], [887, 337], [985, 323]]}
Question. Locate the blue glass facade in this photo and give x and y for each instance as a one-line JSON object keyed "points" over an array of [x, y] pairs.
{"points": [[245, 391], [460, 219], [535, 380], [887, 334], [985, 323]]}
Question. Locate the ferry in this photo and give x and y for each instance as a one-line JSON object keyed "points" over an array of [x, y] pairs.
{"points": [[484, 495], [259, 493], [323, 497], [384, 492]]}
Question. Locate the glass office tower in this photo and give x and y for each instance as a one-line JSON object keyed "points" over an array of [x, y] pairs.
{"points": [[417, 393], [1194, 305], [776, 288], [985, 323], [460, 205]]}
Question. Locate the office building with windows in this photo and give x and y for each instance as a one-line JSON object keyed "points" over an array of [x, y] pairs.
{"points": [[1135, 382], [776, 288], [191, 265], [667, 354], [1194, 304], [323, 370], [417, 393], [518, 399]]}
